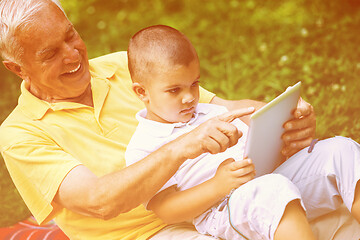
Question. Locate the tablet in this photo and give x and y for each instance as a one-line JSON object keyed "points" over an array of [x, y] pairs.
{"points": [[264, 141]]}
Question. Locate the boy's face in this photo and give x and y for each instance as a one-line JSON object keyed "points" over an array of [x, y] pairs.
{"points": [[172, 94]]}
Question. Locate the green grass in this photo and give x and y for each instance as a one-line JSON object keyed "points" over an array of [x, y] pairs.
{"points": [[12, 208], [247, 48]]}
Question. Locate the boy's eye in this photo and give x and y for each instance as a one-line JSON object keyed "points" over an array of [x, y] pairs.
{"points": [[173, 90], [195, 84]]}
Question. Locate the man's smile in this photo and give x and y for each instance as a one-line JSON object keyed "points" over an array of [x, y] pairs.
{"points": [[76, 69], [74, 72]]}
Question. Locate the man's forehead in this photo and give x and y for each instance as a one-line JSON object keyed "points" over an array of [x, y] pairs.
{"points": [[56, 39], [48, 26], [46, 18], [42, 36]]}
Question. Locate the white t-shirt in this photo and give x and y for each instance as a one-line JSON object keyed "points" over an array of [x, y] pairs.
{"points": [[151, 135]]}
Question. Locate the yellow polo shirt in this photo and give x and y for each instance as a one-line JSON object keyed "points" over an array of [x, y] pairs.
{"points": [[41, 142]]}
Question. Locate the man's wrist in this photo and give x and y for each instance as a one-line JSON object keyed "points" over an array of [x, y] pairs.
{"points": [[176, 151], [185, 147]]}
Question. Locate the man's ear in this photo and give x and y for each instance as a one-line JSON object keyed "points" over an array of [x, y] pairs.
{"points": [[14, 67], [140, 91]]}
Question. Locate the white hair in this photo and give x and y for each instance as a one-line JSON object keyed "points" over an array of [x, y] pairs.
{"points": [[13, 14]]}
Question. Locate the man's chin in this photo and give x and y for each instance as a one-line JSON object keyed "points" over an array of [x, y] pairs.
{"points": [[78, 94]]}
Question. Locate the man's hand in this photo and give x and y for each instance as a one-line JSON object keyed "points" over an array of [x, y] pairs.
{"points": [[232, 174], [300, 131], [214, 136]]}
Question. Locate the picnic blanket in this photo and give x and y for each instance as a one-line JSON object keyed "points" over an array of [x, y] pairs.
{"points": [[30, 230], [344, 227]]}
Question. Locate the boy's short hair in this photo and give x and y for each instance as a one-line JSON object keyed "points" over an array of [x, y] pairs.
{"points": [[155, 48]]}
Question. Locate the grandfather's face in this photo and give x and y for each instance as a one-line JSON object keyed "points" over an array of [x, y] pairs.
{"points": [[55, 62]]}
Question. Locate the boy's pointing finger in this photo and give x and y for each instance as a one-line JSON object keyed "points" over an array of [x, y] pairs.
{"points": [[230, 116]]}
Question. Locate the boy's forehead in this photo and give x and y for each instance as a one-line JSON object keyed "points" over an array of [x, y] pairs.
{"points": [[176, 74]]}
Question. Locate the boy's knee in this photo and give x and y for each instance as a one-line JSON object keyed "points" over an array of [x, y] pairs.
{"points": [[279, 184], [265, 187], [277, 180]]}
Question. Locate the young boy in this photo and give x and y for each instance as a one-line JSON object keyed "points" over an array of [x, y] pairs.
{"points": [[164, 67]]}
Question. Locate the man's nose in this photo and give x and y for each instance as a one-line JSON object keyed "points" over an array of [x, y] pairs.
{"points": [[71, 54]]}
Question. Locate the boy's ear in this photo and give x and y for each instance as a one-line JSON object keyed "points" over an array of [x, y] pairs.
{"points": [[140, 91], [14, 67]]}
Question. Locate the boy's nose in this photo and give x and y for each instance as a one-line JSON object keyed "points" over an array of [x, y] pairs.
{"points": [[188, 98]]}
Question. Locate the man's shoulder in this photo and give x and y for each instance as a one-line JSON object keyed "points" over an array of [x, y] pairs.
{"points": [[15, 128], [15, 117], [109, 64], [111, 57]]}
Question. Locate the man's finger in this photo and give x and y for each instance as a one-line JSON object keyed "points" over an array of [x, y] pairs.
{"points": [[296, 146], [230, 116], [295, 124], [303, 109], [211, 146], [222, 139], [231, 132], [290, 136]]}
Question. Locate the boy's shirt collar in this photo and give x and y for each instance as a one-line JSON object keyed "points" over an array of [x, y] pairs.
{"points": [[159, 129]]}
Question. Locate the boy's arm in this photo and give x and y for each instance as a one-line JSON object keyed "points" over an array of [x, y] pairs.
{"points": [[174, 206]]}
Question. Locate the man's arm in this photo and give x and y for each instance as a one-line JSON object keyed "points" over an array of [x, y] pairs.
{"points": [[106, 197], [299, 132]]}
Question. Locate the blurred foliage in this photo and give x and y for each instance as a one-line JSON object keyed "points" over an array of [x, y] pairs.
{"points": [[247, 49]]}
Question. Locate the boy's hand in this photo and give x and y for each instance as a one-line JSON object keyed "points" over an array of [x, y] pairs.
{"points": [[300, 131], [214, 136], [232, 174]]}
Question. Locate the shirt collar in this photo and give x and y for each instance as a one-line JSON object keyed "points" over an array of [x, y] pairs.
{"points": [[36, 108], [159, 129], [32, 106], [103, 71]]}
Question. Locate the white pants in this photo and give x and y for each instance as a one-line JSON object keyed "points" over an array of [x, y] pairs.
{"points": [[253, 211], [326, 178]]}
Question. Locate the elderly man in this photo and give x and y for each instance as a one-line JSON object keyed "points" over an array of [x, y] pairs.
{"points": [[64, 143]]}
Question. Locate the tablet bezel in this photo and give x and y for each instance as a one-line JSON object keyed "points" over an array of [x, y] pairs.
{"points": [[264, 141]]}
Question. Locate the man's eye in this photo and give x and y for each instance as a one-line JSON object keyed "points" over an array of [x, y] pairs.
{"points": [[49, 55], [70, 36]]}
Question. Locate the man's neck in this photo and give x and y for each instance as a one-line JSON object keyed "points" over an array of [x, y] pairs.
{"points": [[85, 98]]}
